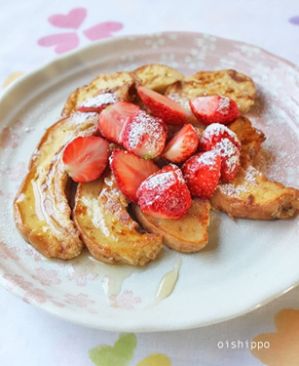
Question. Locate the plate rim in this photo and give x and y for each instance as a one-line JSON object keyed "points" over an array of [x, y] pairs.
{"points": [[17, 291]]}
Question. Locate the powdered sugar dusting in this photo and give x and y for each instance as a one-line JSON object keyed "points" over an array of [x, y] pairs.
{"points": [[235, 190], [216, 130], [251, 174], [229, 152], [100, 100], [208, 158], [223, 105], [179, 174], [147, 132], [161, 180]]}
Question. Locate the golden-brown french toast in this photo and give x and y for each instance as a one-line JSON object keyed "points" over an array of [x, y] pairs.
{"points": [[188, 234], [156, 76], [41, 209], [107, 229], [230, 83], [117, 83], [250, 137], [101, 216], [253, 196]]}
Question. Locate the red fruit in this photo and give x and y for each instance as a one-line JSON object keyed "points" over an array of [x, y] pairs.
{"points": [[215, 133], [97, 103], [163, 107], [202, 173], [230, 159], [130, 171], [182, 145], [85, 158], [165, 194], [145, 136], [113, 120], [215, 108]]}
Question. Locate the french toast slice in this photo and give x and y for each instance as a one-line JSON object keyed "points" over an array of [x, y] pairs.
{"points": [[250, 137], [157, 76], [107, 229], [253, 196], [41, 208], [117, 84], [230, 83], [189, 234]]}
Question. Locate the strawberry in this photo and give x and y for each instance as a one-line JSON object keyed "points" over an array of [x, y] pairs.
{"points": [[202, 173], [130, 171], [214, 133], [230, 159], [163, 107], [145, 136], [85, 158], [165, 194], [215, 108], [113, 120], [182, 145], [97, 103]]}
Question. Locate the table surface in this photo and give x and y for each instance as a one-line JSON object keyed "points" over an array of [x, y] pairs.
{"points": [[33, 35]]}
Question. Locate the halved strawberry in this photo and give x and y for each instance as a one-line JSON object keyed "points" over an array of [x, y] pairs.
{"points": [[97, 103], [215, 108], [130, 171], [165, 194], [113, 120], [163, 107], [145, 136], [202, 173], [182, 145], [230, 159], [214, 133], [85, 158]]}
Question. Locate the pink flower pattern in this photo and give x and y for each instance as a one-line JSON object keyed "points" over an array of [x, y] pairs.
{"points": [[81, 279], [125, 300], [80, 300], [33, 253], [37, 295], [47, 277], [18, 280], [67, 41], [9, 253]]}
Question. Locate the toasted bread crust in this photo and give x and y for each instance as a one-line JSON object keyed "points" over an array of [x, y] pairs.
{"points": [[156, 76], [188, 234], [250, 137], [230, 83], [107, 229], [70, 104], [118, 83], [253, 196], [41, 210]]}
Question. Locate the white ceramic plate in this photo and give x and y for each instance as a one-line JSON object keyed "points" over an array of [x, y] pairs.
{"points": [[246, 264]]}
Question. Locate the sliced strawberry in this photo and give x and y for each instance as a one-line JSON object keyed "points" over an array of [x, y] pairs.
{"points": [[165, 194], [182, 145], [163, 107], [97, 103], [202, 173], [230, 159], [215, 108], [85, 158], [145, 136], [130, 171], [214, 133], [113, 120]]}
